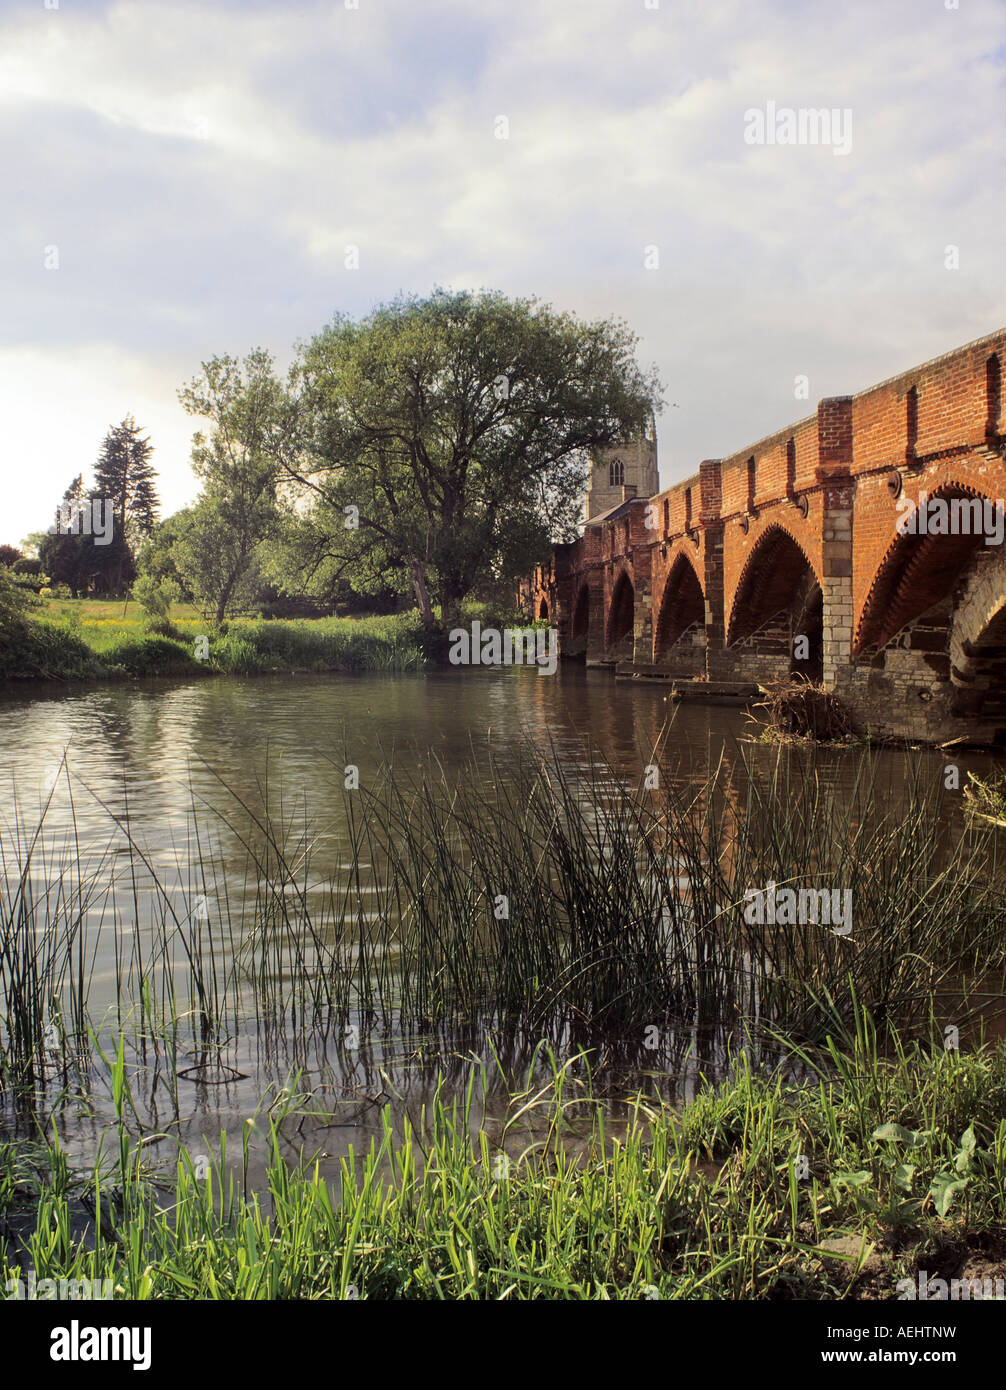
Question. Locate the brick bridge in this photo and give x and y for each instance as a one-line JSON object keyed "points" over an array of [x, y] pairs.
{"points": [[718, 578]]}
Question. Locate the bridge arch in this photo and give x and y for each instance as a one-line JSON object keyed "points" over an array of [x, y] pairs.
{"points": [[619, 629], [778, 600], [682, 609], [977, 646], [580, 630], [917, 574]]}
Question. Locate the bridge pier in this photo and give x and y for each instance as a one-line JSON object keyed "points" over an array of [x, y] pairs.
{"points": [[640, 540], [834, 434], [713, 538], [836, 581], [595, 632]]}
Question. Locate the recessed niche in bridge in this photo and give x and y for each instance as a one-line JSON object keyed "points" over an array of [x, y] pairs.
{"points": [[895, 483], [993, 397], [802, 504], [745, 522], [791, 468], [912, 424]]}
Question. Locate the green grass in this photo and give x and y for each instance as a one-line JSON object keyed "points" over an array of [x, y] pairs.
{"points": [[70, 639], [872, 1168], [92, 639], [123, 617]]}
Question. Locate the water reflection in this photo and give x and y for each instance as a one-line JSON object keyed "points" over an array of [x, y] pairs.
{"points": [[161, 750]]}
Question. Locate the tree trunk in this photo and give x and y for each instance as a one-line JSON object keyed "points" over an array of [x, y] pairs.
{"points": [[225, 598], [451, 595], [422, 593]]}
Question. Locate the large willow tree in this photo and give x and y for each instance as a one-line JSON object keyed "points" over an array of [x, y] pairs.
{"points": [[444, 440]]}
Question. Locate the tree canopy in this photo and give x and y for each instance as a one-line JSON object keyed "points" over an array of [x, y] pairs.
{"points": [[125, 475], [71, 553], [445, 439], [217, 546]]}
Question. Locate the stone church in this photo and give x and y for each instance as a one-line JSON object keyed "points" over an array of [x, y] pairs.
{"points": [[621, 472]]}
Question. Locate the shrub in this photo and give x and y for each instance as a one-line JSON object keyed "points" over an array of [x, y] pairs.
{"points": [[15, 601], [155, 596], [43, 651], [151, 656], [163, 627]]}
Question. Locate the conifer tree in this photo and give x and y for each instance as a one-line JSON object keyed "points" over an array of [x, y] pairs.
{"points": [[125, 476]]}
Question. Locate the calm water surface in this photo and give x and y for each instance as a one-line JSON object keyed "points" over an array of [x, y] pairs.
{"points": [[159, 749]]}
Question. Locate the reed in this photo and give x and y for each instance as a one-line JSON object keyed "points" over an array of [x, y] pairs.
{"points": [[758, 1189], [531, 898]]}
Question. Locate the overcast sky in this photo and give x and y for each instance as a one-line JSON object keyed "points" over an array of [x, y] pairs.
{"points": [[202, 167]]}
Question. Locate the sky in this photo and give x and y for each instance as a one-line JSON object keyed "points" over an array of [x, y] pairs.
{"points": [[184, 179]]}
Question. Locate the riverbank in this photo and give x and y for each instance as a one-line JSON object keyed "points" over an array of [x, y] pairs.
{"points": [[95, 640], [876, 1173]]}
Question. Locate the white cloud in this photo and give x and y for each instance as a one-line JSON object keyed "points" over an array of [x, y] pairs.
{"points": [[326, 127]]}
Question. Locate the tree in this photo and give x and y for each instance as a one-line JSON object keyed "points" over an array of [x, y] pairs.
{"points": [[156, 558], [9, 555], [16, 603], [76, 552], [446, 438], [124, 476], [217, 550], [218, 563], [155, 596]]}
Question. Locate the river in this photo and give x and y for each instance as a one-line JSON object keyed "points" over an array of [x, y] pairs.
{"points": [[159, 749]]}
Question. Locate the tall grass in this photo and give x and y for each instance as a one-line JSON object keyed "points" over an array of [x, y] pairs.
{"points": [[320, 644], [757, 1190], [537, 894], [531, 899], [521, 911]]}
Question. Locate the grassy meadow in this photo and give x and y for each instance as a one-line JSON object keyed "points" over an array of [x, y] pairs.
{"points": [[108, 639]]}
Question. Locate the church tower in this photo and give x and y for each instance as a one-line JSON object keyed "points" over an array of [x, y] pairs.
{"points": [[622, 471]]}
